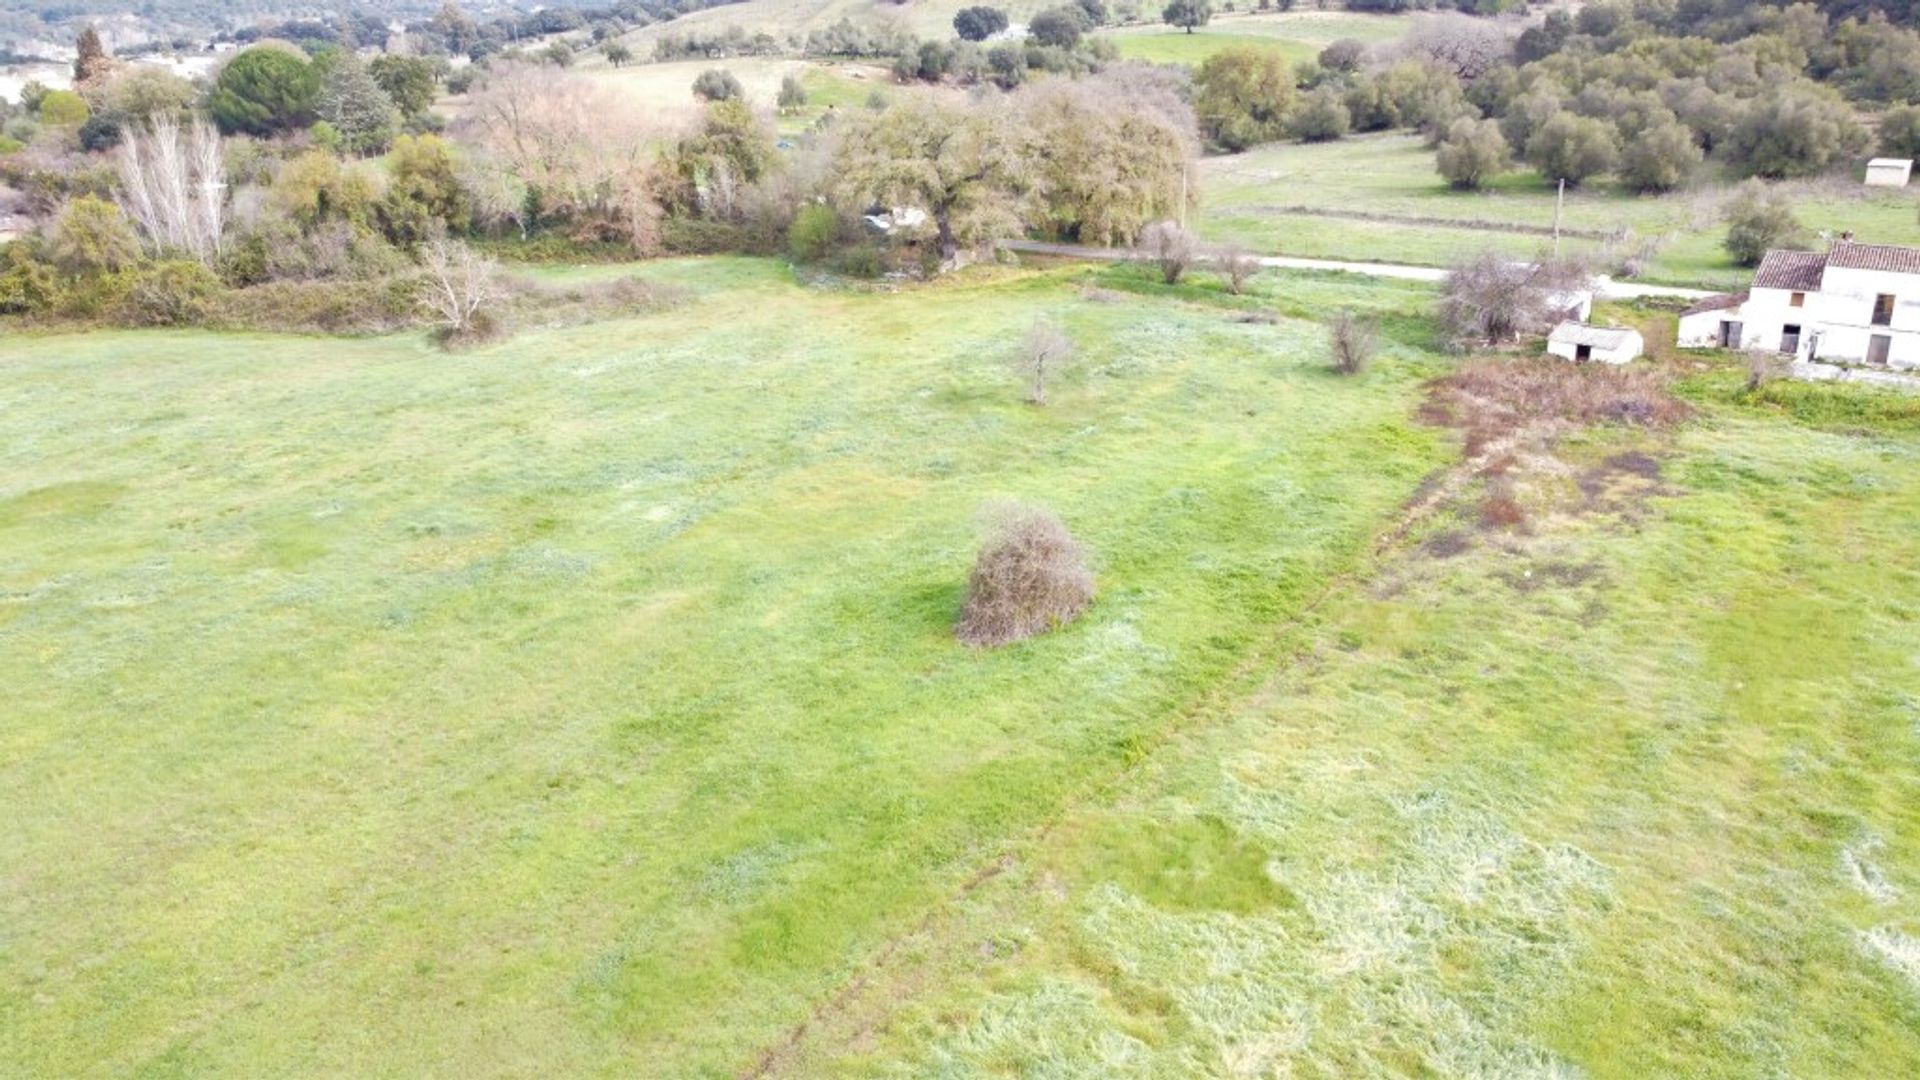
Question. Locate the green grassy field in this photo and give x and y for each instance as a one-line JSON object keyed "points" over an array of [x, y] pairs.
{"points": [[1254, 198], [587, 704], [1300, 35], [1631, 792]]}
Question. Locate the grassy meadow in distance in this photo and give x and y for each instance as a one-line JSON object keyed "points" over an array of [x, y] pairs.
{"points": [[1299, 35], [588, 703], [1255, 198]]}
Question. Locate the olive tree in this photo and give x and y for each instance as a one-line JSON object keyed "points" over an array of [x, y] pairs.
{"points": [[979, 23], [1187, 14], [1472, 153], [1660, 158], [1759, 220], [1573, 148], [1241, 96]]}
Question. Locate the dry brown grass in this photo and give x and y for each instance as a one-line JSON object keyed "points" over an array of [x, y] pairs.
{"points": [[1494, 399], [1031, 577]]}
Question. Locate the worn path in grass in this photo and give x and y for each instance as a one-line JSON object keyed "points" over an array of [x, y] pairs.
{"points": [[1605, 287], [1627, 788], [587, 704]]}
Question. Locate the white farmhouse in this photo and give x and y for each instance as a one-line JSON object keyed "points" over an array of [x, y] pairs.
{"points": [[1578, 341], [1855, 304]]}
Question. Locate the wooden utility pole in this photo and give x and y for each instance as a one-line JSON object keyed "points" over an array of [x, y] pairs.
{"points": [[1558, 200]]}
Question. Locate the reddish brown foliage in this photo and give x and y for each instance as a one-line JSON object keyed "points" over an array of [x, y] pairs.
{"points": [[1030, 578], [1491, 399]]}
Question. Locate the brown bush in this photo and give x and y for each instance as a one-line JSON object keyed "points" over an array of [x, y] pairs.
{"points": [[1353, 341], [1031, 576], [1494, 398], [1170, 247], [329, 307], [1237, 266]]}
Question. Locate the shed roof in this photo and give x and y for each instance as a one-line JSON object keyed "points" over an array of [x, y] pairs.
{"points": [[1851, 256], [1799, 271], [1890, 163], [1598, 337], [1723, 302]]}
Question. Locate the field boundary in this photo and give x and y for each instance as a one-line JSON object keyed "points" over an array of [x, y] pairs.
{"points": [[1475, 224]]}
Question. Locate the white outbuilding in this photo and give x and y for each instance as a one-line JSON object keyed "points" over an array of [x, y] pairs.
{"points": [[1889, 172], [1580, 342], [1713, 323]]}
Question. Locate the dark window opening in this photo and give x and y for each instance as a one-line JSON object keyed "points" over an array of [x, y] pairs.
{"points": [[1883, 310]]}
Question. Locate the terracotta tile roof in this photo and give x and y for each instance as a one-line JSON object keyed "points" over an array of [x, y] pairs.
{"points": [[1796, 270], [1723, 302], [1851, 256]]}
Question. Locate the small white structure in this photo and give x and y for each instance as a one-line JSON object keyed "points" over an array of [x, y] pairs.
{"points": [[904, 218], [1713, 323], [1855, 304], [1889, 172], [1580, 342], [1573, 306]]}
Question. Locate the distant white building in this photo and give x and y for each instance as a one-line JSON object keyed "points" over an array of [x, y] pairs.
{"points": [[1580, 342], [1889, 172], [1855, 304]]}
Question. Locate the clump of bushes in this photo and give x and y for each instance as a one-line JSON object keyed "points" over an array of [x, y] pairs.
{"points": [[1031, 577]]}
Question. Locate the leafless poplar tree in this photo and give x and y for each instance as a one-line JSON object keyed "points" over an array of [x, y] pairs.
{"points": [[172, 186]]}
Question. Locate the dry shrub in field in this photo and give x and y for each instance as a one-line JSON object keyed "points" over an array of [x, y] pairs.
{"points": [[1353, 341], [1031, 576], [1237, 266], [1492, 399], [1502, 510], [1764, 366], [1044, 353], [1171, 247]]}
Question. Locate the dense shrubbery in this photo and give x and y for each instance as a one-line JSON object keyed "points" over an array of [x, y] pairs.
{"points": [[1643, 90], [334, 206]]}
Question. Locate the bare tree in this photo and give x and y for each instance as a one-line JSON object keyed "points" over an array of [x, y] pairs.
{"points": [[1353, 340], [577, 143], [1044, 353], [1463, 46], [461, 289], [1492, 300], [1237, 265], [1173, 248], [172, 186]]}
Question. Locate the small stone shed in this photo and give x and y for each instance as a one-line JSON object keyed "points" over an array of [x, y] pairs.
{"points": [[1580, 342]]}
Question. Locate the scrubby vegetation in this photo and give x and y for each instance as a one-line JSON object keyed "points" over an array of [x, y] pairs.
{"points": [[1031, 577]]}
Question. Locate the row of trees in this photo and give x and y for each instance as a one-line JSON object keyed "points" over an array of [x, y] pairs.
{"points": [[1641, 90]]}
